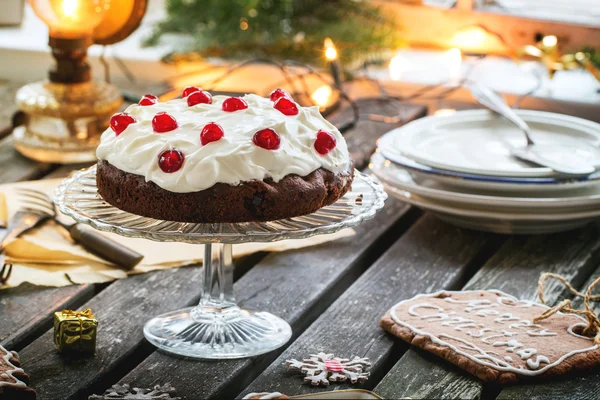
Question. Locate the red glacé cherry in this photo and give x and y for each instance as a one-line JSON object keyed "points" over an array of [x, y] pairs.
{"points": [[119, 122], [234, 104], [325, 142], [277, 94], [163, 122], [199, 97], [211, 133], [189, 90], [267, 139], [170, 161], [148, 100], [286, 106]]}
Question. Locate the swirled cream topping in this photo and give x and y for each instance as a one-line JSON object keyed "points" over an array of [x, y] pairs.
{"points": [[232, 159]]}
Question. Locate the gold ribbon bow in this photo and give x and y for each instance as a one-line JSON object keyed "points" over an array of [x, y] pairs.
{"points": [[593, 323], [87, 313]]}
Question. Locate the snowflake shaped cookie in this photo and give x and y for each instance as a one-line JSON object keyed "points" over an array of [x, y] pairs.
{"points": [[125, 392], [320, 369]]}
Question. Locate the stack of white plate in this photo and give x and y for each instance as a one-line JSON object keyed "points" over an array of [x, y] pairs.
{"points": [[459, 167]]}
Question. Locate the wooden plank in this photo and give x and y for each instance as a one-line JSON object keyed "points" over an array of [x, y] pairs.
{"points": [[362, 138], [583, 387], [296, 286], [124, 307], [430, 256], [21, 321], [515, 269], [121, 309], [14, 167]]}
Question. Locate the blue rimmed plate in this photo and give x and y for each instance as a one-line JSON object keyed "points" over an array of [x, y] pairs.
{"points": [[420, 172]]}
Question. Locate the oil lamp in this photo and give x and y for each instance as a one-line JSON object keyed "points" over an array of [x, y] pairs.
{"points": [[66, 113]]}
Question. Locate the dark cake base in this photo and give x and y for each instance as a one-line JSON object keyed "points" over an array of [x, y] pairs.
{"points": [[250, 201]]}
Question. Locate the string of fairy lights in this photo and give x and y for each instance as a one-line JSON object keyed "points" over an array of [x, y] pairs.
{"points": [[295, 74]]}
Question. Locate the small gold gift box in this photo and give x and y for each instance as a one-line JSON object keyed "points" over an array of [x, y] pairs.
{"points": [[75, 331]]}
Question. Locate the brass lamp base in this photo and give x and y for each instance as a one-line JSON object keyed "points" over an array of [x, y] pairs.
{"points": [[64, 121]]}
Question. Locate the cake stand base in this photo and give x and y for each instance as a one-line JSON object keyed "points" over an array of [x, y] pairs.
{"points": [[217, 334], [217, 327]]}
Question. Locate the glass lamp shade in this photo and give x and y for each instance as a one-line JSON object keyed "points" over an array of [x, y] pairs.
{"points": [[70, 19]]}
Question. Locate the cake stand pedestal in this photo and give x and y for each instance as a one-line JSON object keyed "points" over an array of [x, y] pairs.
{"points": [[217, 328]]}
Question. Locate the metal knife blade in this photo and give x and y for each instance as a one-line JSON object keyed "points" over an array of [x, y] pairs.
{"points": [[19, 223]]}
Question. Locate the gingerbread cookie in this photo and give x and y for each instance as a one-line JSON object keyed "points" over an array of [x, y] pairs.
{"points": [[491, 335], [13, 380]]}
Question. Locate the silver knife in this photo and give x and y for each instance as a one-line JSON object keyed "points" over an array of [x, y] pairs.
{"points": [[19, 223]]}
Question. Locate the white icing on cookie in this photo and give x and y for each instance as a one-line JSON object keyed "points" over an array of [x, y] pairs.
{"points": [[511, 345], [484, 313], [535, 364], [570, 330], [472, 304], [480, 333], [412, 310], [543, 332], [10, 373], [264, 395], [491, 359], [232, 159], [506, 317], [526, 353]]}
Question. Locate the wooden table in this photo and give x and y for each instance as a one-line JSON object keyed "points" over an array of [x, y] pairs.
{"points": [[333, 296]]}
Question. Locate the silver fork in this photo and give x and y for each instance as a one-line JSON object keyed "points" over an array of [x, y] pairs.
{"points": [[29, 216], [90, 239]]}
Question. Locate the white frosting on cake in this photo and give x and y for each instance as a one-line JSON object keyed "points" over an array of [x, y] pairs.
{"points": [[232, 159]]}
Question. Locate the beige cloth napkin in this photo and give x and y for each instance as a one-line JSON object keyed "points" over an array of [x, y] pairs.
{"points": [[47, 256]]}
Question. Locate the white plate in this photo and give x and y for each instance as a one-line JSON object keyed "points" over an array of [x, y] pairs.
{"points": [[390, 173], [498, 222], [461, 180], [479, 141]]}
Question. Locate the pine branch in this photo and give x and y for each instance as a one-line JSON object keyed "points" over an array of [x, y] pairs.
{"points": [[278, 28]]}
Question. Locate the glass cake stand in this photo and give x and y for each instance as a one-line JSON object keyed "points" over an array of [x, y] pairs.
{"points": [[217, 328]]}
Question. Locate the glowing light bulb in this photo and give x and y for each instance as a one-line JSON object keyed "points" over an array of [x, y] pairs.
{"points": [[476, 39], [533, 51], [397, 67], [444, 111], [454, 61], [69, 8], [70, 19], [550, 41], [322, 95], [331, 53]]}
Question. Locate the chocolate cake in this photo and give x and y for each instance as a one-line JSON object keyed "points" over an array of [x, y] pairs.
{"points": [[223, 159]]}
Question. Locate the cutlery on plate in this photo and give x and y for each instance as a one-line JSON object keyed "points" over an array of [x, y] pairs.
{"points": [[561, 158], [91, 240]]}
